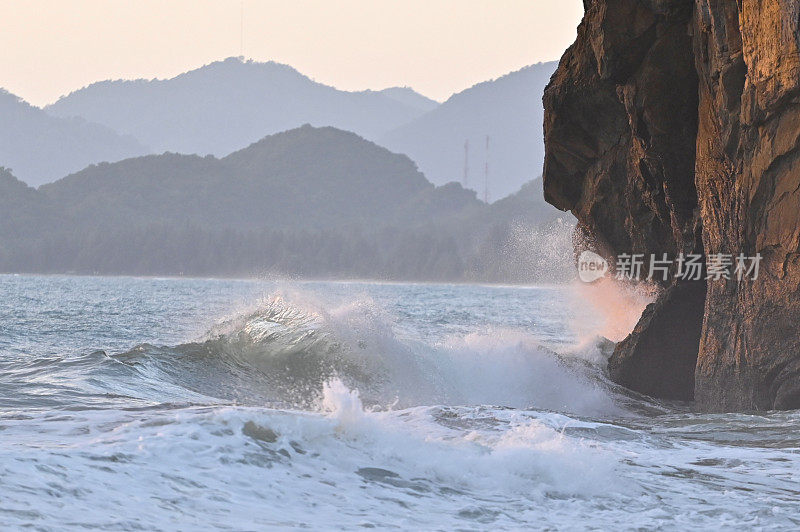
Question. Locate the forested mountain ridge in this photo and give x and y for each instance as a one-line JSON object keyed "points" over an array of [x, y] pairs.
{"points": [[23, 208], [310, 202], [304, 178]]}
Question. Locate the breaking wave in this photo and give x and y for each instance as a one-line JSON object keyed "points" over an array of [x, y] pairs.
{"points": [[283, 354]]}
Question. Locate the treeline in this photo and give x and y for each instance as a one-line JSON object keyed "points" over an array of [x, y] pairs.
{"points": [[503, 253]]}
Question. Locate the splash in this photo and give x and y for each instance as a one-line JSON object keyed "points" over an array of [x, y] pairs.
{"points": [[540, 254], [510, 368], [608, 308], [309, 356], [342, 403]]}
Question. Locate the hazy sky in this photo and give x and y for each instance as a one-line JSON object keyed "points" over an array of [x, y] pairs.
{"points": [[51, 47]]}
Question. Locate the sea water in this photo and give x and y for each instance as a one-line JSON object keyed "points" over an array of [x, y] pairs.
{"points": [[134, 404]]}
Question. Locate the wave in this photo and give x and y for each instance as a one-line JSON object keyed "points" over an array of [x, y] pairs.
{"points": [[340, 408], [459, 466], [283, 353]]}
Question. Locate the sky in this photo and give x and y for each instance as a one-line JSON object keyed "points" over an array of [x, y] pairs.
{"points": [[49, 48]]}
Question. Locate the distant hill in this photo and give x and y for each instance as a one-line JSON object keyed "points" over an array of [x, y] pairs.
{"points": [[41, 148], [408, 96], [508, 109], [526, 205], [309, 202], [227, 105], [303, 178], [24, 209]]}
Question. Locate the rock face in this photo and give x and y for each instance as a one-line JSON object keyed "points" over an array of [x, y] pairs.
{"points": [[673, 126]]}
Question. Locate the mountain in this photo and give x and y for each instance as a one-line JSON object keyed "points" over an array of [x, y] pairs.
{"points": [[508, 109], [23, 208], [309, 202], [227, 105], [41, 148], [303, 178], [526, 205], [411, 98]]}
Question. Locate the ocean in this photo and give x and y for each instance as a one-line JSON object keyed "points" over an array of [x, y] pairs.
{"points": [[190, 404]]}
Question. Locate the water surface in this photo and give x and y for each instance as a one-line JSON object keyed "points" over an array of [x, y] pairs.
{"points": [[181, 403]]}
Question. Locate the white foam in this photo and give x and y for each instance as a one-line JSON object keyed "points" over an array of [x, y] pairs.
{"points": [[510, 368], [342, 403], [359, 340]]}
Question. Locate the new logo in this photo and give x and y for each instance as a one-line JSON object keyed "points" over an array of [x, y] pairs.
{"points": [[591, 266]]}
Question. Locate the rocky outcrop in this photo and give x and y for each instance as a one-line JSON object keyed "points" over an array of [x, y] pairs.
{"points": [[673, 126], [620, 129]]}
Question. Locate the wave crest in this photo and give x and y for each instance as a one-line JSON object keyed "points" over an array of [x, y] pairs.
{"points": [[285, 352]]}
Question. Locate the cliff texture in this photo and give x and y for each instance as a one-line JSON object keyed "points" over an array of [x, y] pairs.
{"points": [[673, 126]]}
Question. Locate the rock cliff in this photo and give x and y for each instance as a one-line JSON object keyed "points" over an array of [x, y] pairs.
{"points": [[673, 126]]}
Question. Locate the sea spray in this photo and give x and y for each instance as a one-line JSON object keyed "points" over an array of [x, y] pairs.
{"points": [[295, 349], [508, 367], [610, 308], [342, 403]]}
